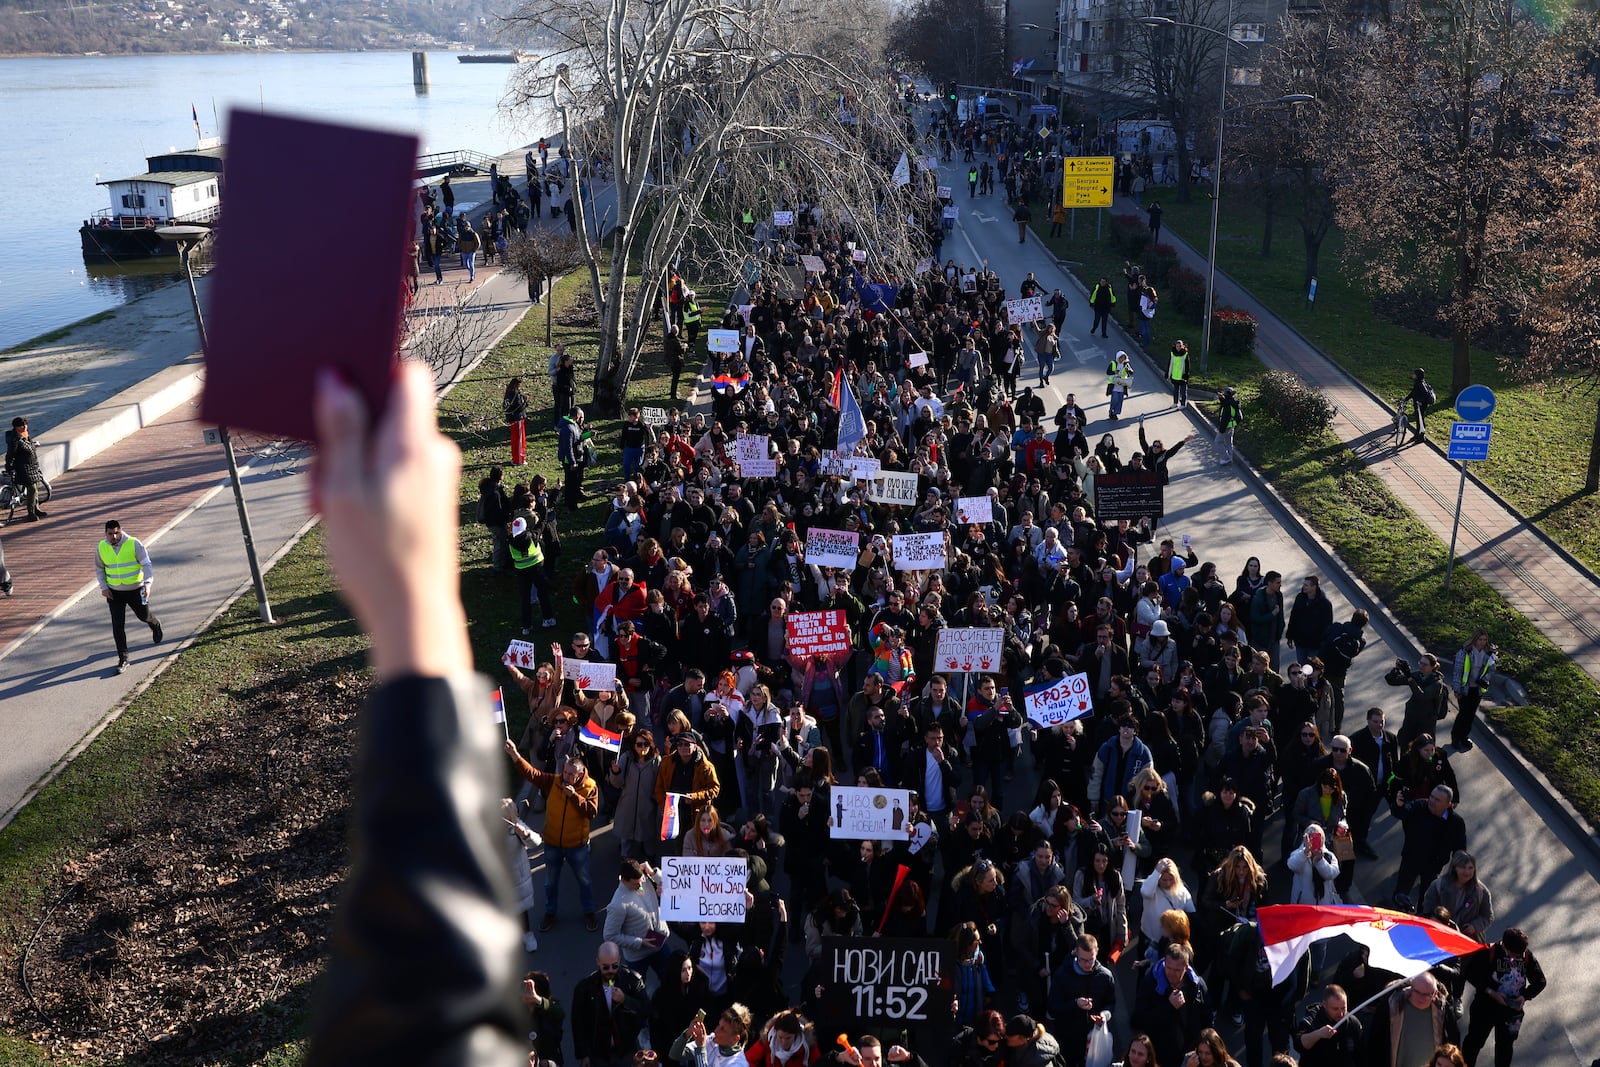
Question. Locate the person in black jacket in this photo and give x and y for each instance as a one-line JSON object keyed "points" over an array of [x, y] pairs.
{"points": [[933, 760], [494, 511], [1506, 978], [22, 463], [1082, 990], [609, 1008], [1325, 1038]]}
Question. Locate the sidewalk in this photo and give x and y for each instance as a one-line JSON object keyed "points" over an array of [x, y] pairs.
{"points": [[1554, 591]]}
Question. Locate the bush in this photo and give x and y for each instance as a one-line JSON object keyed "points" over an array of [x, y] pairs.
{"points": [[1233, 332], [1294, 405], [1187, 290], [1130, 236], [1159, 264]]}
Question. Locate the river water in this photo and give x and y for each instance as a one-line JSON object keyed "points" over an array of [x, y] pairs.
{"points": [[77, 120]]}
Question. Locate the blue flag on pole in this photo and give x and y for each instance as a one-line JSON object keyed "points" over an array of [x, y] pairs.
{"points": [[852, 424]]}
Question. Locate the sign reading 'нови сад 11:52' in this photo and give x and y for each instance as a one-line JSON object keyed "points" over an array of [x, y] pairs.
{"points": [[907, 981]]}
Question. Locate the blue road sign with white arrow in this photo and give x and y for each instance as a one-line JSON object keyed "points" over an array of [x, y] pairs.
{"points": [[1475, 403]]}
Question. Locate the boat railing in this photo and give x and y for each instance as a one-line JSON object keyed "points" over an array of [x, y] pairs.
{"points": [[105, 219]]}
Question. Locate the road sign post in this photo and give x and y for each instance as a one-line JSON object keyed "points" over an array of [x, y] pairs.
{"points": [[1469, 443]]}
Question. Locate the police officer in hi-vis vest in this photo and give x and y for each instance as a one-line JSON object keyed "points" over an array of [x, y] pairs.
{"points": [[125, 573]]}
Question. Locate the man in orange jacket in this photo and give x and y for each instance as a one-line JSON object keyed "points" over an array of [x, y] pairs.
{"points": [[573, 800]]}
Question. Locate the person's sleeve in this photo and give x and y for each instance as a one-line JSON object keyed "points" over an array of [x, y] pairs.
{"points": [[147, 571], [425, 965], [100, 571]]}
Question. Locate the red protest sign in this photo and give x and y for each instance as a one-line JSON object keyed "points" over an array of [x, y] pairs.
{"points": [[818, 633]]}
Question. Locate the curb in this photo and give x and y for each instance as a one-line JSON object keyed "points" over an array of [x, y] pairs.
{"points": [[114, 420]]}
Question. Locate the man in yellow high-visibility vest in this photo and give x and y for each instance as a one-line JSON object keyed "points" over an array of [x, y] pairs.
{"points": [[123, 568]]}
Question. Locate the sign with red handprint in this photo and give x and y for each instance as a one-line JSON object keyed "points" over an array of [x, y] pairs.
{"points": [[969, 649]]}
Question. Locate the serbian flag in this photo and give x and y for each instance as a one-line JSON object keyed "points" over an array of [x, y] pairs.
{"points": [[671, 820], [723, 382], [497, 704], [600, 737], [1396, 941]]}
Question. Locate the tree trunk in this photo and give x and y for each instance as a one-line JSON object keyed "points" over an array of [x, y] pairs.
{"points": [[1313, 245], [1185, 193], [1592, 482], [1460, 358]]}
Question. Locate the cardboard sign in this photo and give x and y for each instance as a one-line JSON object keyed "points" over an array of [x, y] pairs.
{"points": [[1064, 701], [870, 814], [835, 462], [812, 264], [1024, 309], [818, 633], [589, 676], [654, 417], [918, 552], [895, 981], [520, 654], [944, 192], [865, 467], [831, 548], [783, 218], [723, 340], [918, 359], [753, 454], [952, 213], [968, 649], [924, 265], [894, 487], [970, 509], [859, 255], [703, 888], [1129, 495]]}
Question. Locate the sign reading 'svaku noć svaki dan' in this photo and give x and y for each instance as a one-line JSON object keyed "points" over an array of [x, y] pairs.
{"points": [[703, 888]]}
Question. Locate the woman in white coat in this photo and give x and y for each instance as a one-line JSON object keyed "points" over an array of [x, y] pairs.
{"points": [[1314, 869]]}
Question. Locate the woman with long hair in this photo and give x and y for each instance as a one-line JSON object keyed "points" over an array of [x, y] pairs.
{"points": [[836, 915], [1163, 891], [1048, 803], [1141, 1053], [633, 774], [1209, 1051], [785, 1040], [514, 407], [1097, 889], [974, 987], [1297, 770], [1423, 766], [708, 837], [1231, 894], [1468, 900], [983, 1044]]}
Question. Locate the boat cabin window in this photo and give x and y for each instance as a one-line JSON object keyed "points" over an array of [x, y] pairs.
{"points": [[135, 200]]}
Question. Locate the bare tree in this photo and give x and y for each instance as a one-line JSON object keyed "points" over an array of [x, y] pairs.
{"points": [[1176, 67], [1290, 150], [447, 330], [711, 115], [1462, 112], [539, 259], [952, 40]]}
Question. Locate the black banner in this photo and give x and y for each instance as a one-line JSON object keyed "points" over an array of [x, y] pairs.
{"points": [[905, 982], [1128, 495]]}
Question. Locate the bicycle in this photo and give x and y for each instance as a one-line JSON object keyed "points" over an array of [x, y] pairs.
{"points": [[11, 495]]}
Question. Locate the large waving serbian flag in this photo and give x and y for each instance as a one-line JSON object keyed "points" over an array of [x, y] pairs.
{"points": [[1398, 942]]}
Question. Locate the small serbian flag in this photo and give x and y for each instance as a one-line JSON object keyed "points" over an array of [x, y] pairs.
{"points": [[723, 382], [600, 737], [671, 820], [1404, 944], [497, 705]]}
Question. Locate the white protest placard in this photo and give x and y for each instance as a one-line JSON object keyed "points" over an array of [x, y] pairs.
{"points": [[1059, 702], [832, 548], [924, 265], [952, 212], [783, 218], [868, 813], [970, 509], [918, 552], [894, 487], [833, 461], [703, 888], [656, 417], [587, 675], [918, 359], [722, 340], [520, 654], [944, 192], [752, 452], [1024, 309], [968, 649], [859, 255], [969, 283], [812, 264], [744, 311], [864, 467]]}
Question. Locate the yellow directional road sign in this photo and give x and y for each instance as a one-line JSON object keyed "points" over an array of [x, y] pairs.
{"points": [[1087, 181]]}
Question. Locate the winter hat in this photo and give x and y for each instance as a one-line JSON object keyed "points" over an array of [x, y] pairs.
{"points": [[519, 526]]}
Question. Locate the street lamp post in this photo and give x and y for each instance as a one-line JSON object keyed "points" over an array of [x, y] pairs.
{"points": [[1216, 167], [186, 237]]}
